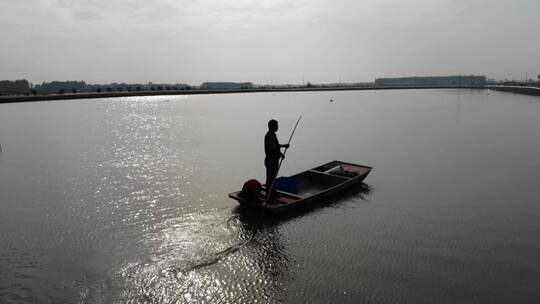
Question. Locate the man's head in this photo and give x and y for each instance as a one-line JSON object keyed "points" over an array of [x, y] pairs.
{"points": [[272, 125]]}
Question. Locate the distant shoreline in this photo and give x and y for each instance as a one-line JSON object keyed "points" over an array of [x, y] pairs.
{"points": [[31, 98]]}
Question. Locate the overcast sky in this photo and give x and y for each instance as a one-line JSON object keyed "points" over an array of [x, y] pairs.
{"points": [[266, 41]]}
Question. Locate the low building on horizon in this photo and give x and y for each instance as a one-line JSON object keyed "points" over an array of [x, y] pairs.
{"points": [[226, 85], [471, 80]]}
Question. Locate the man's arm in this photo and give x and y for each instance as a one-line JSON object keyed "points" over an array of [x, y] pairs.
{"points": [[283, 146]]}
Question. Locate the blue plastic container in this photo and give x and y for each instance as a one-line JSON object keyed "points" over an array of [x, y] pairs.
{"points": [[287, 184]]}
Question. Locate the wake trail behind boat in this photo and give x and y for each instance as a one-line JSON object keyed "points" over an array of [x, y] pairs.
{"points": [[218, 256]]}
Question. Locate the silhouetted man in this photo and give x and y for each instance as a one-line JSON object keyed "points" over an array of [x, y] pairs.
{"points": [[273, 154]]}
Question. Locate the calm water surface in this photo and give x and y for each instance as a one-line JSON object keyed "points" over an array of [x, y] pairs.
{"points": [[125, 200]]}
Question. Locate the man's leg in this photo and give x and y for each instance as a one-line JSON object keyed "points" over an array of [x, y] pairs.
{"points": [[271, 172]]}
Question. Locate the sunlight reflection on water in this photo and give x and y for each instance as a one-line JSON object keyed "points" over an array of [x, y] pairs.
{"points": [[153, 173], [185, 263]]}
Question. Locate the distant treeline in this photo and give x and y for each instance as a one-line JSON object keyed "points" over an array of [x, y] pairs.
{"points": [[8, 87], [60, 87], [23, 87]]}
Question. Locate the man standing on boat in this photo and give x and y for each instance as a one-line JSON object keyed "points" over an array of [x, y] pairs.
{"points": [[273, 154]]}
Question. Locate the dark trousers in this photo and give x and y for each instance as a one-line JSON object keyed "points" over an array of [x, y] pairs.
{"points": [[271, 172]]}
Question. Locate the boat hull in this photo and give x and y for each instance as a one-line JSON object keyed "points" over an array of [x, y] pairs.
{"points": [[315, 185]]}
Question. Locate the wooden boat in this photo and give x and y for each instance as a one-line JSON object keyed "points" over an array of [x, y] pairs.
{"points": [[312, 186]]}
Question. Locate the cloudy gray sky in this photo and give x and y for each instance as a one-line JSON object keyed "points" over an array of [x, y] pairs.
{"points": [[266, 41]]}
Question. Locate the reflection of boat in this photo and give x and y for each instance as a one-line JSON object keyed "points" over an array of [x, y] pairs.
{"points": [[310, 186]]}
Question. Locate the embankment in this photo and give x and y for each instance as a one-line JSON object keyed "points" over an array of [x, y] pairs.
{"points": [[28, 98], [517, 89]]}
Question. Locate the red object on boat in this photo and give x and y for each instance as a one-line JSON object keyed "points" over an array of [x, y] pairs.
{"points": [[251, 190]]}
